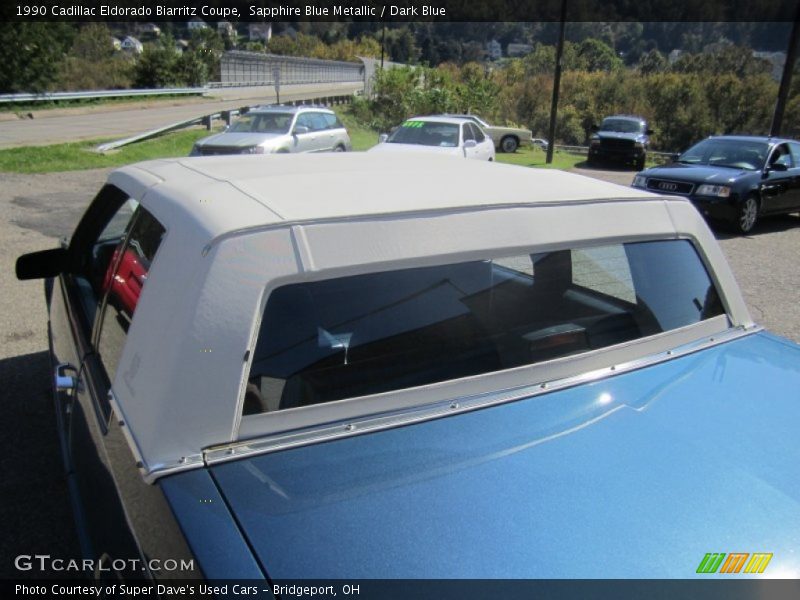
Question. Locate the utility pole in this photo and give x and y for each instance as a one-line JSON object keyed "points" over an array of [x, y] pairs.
{"points": [[786, 77], [556, 84], [383, 43]]}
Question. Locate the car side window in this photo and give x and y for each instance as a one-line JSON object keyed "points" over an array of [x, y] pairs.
{"points": [[795, 150], [93, 244], [469, 134], [304, 120], [318, 122], [332, 121], [122, 285], [479, 137], [781, 156]]}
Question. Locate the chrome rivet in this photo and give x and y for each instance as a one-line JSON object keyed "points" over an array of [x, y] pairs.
{"points": [[543, 386], [350, 427], [669, 352], [613, 367], [454, 405]]}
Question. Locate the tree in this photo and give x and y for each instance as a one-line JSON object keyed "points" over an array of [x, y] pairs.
{"points": [[93, 63], [157, 67], [597, 56], [30, 53], [652, 62]]}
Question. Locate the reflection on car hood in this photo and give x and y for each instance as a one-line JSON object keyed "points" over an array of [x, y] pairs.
{"points": [[240, 140], [698, 173], [637, 475], [395, 147]]}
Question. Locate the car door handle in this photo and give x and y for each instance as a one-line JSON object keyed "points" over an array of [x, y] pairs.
{"points": [[64, 382]]}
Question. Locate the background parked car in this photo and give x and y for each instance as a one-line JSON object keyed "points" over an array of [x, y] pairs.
{"points": [[439, 135], [621, 138], [279, 129], [733, 178], [506, 139]]}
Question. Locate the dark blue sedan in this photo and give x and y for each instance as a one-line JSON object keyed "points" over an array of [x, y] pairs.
{"points": [[733, 178]]}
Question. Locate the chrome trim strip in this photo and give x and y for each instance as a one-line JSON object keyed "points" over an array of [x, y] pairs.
{"points": [[149, 473], [341, 429]]}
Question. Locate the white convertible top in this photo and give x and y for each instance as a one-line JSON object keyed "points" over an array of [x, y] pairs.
{"points": [[228, 193], [239, 226]]}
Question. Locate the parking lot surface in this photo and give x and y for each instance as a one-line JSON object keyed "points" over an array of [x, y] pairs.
{"points": [[35, 210]]}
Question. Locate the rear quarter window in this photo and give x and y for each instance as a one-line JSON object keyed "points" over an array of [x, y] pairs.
{"points": [[353, 336], [123, 284]]}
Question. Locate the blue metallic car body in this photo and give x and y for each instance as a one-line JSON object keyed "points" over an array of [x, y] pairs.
{"points": [[636, 475]]}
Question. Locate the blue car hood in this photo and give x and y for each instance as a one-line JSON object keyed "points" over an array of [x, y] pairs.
{"points": [[634, 476], [699, 173]]}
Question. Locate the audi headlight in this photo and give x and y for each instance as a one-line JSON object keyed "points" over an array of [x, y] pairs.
{"points": [[638, 144], [639, 181], [721, 191], [594, 142]]}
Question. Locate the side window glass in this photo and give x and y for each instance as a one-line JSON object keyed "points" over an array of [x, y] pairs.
{"points": [[782, 156], [123, 285], [318, 122], [98, 250], [332, 121], [468, 133], [479, 137], [795, 148], [304, 121]]}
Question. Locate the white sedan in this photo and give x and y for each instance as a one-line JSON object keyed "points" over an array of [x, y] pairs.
{"points": [[440, 135]]}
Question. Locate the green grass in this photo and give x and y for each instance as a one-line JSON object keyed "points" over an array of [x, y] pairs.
{"points": [[81, 155], [535, 157], [362, 138]]}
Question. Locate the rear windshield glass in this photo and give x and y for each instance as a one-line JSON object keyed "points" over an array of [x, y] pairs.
{"points": [[354, 336]]}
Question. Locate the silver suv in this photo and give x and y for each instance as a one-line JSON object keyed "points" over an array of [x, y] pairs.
{"points": [[279, 129]]}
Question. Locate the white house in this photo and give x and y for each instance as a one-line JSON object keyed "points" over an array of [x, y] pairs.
{"points": [[494, 50], [131, 44], [196, 23], [259, 32]]}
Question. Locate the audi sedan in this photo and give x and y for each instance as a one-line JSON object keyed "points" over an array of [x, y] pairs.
{"points": [[736, 179]]}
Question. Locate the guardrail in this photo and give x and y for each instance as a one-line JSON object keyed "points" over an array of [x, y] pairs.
{"points": [[89, 95]]}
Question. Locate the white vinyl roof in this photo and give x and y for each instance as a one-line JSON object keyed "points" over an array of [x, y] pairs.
{"points": [[228, 193], [237, 226]]}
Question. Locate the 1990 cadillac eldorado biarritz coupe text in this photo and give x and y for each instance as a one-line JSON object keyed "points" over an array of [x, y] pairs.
{"points": [[369, 366]]}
